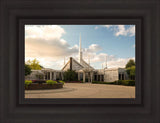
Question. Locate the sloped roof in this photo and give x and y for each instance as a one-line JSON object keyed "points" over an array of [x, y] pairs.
{"points": [[83, 64]]}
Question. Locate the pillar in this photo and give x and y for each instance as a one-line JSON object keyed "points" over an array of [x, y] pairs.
{"points": [[47, 75], [83, 76], [50, 75], [54, 75], [91, 77]]}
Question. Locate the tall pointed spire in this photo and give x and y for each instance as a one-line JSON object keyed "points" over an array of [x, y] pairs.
{"points": [[106, 61], [80, 49], [80, 43]]}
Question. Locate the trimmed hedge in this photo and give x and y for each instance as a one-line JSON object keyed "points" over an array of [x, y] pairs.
{"points": [[125, 82], [61, 82], [27, 83], [97, 82], [51, 82], [119, 82]]}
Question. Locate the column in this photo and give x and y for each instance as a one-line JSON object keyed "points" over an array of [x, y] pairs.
{"points": [[50, 75], [91, 77], [83, 76], [78, 76], [54, 75], [97, 77]]}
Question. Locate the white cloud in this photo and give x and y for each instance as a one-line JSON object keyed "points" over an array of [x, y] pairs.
{"points": [[122, 30], [118, 62], [44, 42], [46, 32]]}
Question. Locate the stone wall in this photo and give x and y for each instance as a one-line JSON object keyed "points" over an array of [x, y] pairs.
{"points": [[111, 75]]}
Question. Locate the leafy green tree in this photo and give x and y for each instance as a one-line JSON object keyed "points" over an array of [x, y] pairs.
{"points": [[70, 75], [131, 71], [27, 70], [130, 63], [34, 64]]}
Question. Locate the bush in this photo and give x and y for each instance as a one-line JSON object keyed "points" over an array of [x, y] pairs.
{"points": [[125, 82], [119, 82], [98, 82], [28, 82], [70, 75], [51, 82], [62, 82]]}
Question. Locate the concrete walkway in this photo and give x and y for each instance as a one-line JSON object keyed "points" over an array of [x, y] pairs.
{"points": [[84, 90]]}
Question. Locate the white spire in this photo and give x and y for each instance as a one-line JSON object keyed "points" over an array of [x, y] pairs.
{"points": [[80, 43], [106, 61], [80, 49]]}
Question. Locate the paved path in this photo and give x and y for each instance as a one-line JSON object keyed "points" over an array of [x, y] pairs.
{"points": [[84, 90]]}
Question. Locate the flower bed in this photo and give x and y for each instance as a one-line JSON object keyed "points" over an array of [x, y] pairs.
{"points": [[36, 86]]}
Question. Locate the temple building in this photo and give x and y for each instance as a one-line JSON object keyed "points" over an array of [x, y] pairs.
{"points": [[85, 71]]}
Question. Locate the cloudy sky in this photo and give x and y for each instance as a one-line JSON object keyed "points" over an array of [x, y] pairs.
{"points": [[51, 44]]}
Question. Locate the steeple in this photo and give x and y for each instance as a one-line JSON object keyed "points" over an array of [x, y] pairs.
{"points": [[80, 49], [106, 62]]}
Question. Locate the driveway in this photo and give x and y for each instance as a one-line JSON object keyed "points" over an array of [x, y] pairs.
{"points": [[84, 90]]}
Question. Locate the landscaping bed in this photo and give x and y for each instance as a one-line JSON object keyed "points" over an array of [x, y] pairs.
{"points": [[36, 86], [43, 84]]}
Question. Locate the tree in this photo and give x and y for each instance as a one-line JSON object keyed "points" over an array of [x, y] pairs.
{"points": [[70, 75], [34, 64], [27, 70], [131, 71], [130, 63]]}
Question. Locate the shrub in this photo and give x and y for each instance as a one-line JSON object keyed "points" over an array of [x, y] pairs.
{"points": [[62, 82], [70, 75], [28, 82], [125, 82], [51, 82], [98, 82]]}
